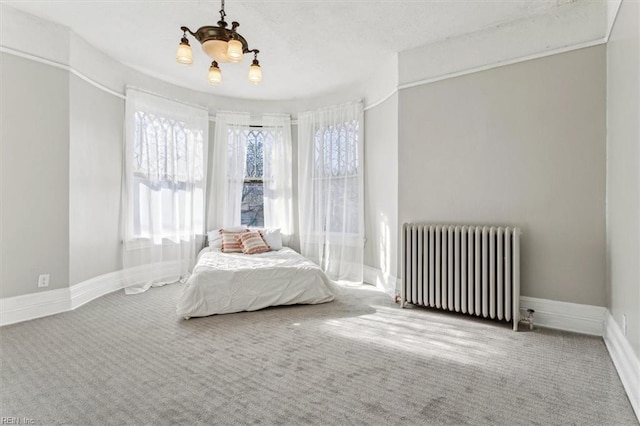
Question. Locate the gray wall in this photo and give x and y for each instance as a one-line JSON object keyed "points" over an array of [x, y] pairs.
{"points": [[35, 176], [522, 145], [381, 187], [95, 175], [62, 140], [623, 168]]}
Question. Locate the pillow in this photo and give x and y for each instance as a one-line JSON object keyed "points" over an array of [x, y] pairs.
{"points": [[215, 237], [253, 243], [230, 241], [273, 238]]}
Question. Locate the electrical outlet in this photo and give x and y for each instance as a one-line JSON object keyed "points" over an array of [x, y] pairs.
{"points": [[43, 280], [624, 324]]}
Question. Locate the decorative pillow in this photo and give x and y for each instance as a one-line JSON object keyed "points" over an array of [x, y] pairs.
{"points": [[230, 240], [252, 243], [215, 237]]}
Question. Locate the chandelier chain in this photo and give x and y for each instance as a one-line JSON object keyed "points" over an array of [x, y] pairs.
{"points": [[222, 13]]}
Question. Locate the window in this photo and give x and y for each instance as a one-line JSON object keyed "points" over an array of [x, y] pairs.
{"points": [[168, 177], [252, 208], [163, 195], [336, 178], [330, 187], [252, 172]]}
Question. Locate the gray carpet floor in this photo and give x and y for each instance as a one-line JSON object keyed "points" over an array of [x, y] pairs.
{"points": [[358, 360]]}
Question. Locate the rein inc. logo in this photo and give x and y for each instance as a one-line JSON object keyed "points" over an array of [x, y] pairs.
{"points": [[17, 421]]}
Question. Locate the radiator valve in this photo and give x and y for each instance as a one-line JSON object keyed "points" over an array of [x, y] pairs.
{"points": [[528, 318]]}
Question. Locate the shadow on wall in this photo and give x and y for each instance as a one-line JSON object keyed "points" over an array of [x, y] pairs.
{"points": [[384, 245], [385, 280]]}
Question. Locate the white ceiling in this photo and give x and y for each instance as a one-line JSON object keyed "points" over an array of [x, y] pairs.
{"points": [[308, 48]]}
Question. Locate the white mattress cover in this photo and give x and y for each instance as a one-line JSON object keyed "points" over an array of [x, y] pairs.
{"points": [[223, 283]]}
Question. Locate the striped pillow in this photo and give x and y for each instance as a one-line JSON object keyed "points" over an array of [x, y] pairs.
{"points": [[252, 243], [230, 241]]}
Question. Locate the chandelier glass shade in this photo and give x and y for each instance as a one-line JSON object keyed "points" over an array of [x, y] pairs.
{"points": [[221, 44], [184, 52], [255, 73], [215, 75]]}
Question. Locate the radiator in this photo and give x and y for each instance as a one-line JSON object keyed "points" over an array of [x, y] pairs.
{"points": [[470, 269]]}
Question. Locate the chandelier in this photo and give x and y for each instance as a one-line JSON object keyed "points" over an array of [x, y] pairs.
{"points": [[222, 45]]}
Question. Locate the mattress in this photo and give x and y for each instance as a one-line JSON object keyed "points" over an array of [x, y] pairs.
{"points": [[223, 283]]}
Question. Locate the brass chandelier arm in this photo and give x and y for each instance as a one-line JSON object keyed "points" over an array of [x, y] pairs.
{"points": [[187, 30]]}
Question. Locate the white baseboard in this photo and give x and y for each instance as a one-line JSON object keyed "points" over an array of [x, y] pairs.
{"points": [[625, 360], [93, 288], [585, 319], [385, 282], [37, 305]]}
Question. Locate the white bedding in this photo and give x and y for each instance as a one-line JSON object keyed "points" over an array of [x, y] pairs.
{"points": [[223, 283]]}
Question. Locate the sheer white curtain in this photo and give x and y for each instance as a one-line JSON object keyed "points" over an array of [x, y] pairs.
{"points": [[163, 191], [277, 171], [229, 164], [330, 176]]}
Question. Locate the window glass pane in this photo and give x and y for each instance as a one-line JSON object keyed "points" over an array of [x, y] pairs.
{"points": [[255, 142], [252, 210], [166, 149]]}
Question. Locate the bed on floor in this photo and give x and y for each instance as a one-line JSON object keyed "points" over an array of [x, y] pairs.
{"points": [[223, 283]]}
